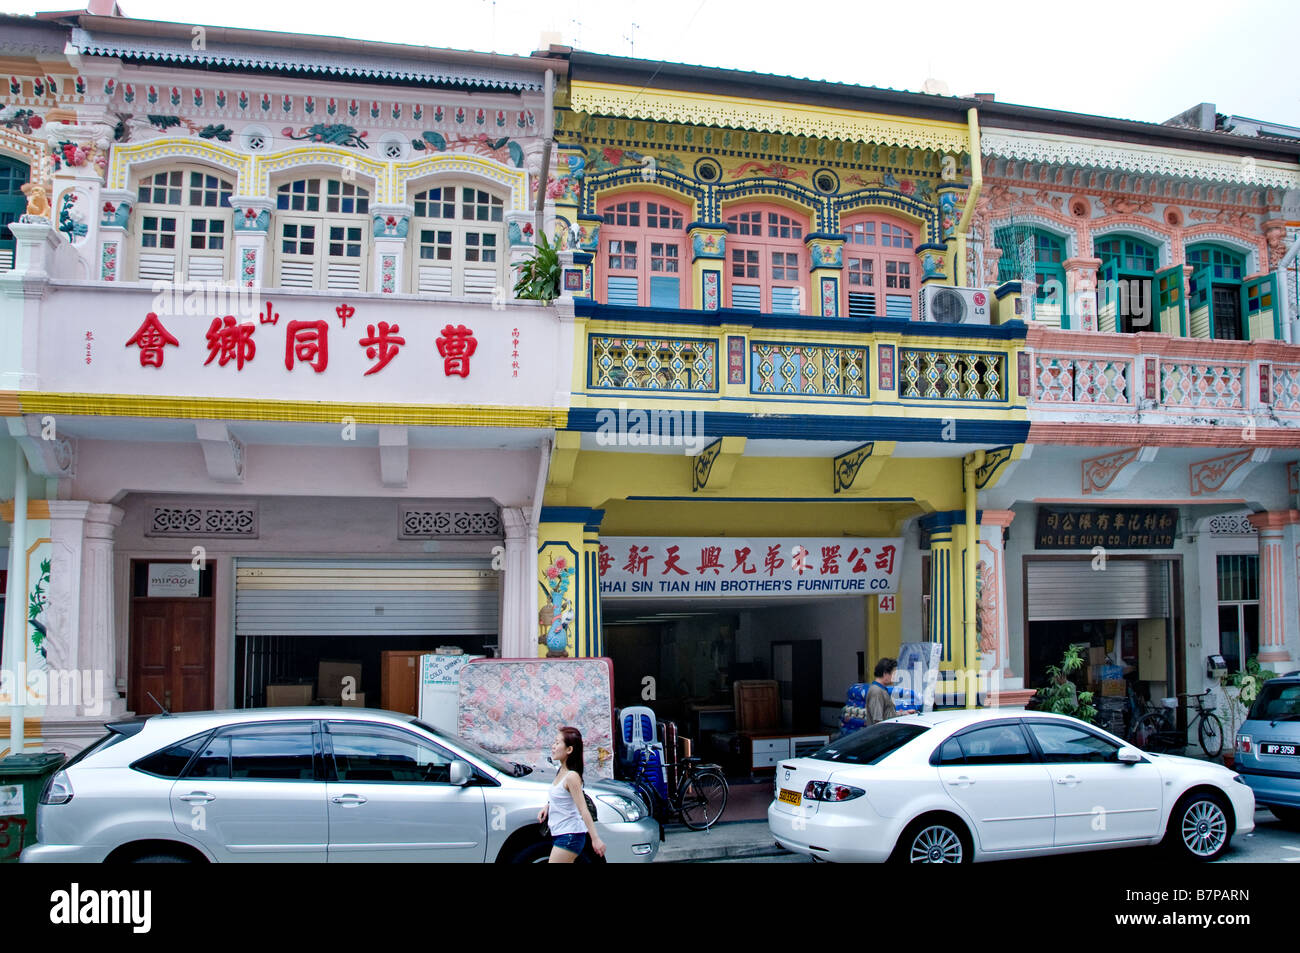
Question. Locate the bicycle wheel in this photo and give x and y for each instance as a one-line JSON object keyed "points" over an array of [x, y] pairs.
{"points": [[702, 798], [645, 790], [1152, 731], [1211, 735]]}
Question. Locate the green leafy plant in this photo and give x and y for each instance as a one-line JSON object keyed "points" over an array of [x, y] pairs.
{"points": [[1240, 689], [539, 276], [1060, 696]]}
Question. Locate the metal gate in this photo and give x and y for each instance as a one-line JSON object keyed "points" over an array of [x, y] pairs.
{"points": [[1064, 589], [366, 598]]}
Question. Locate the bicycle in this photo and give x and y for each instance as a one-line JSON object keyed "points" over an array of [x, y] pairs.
{"points": [[1157, 730], [699, 801]]}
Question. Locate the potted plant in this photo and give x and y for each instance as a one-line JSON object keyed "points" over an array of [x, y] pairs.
{"points": [[539, 276], [1060, 696], [1240, 689]]}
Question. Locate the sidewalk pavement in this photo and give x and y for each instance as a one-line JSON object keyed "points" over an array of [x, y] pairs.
{"points": [[724, 840]]}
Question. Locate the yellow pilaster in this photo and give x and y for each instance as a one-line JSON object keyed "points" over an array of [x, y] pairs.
{"points": [[568, 551], [708, 259], [826, 254]]}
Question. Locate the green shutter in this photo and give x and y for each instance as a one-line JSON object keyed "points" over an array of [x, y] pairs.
{"points": [[1259, 308], [1107, 300], [1171, 304], [1201, 303]]}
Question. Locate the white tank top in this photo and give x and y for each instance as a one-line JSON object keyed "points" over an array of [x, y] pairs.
{"points": [[563, 817]]}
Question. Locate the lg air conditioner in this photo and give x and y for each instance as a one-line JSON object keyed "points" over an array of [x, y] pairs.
{"points": [[944, 305]]}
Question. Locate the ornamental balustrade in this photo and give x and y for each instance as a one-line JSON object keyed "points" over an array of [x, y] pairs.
{"points": [[956, 375], [808, 369], [1203, 386], [653, 364]]}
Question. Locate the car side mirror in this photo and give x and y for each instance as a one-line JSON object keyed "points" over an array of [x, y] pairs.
{"points": [[1130, 756], [461, 773]]}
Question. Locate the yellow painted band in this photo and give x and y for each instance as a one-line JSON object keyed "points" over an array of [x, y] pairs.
{"points": [[205, 408]]}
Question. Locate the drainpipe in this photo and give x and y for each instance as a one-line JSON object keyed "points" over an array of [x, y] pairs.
{"points": [[16, 603], [548, 133], [976, 183], [1289, 330], [970, 464]]}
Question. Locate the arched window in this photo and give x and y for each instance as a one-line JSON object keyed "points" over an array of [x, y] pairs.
{"points": [[767, 263], [642, 258], [322, 234], [1125, 281], [881, 275], [458, 233], [1048, 256], [1214, 295], [13, 176], [183, 225]]}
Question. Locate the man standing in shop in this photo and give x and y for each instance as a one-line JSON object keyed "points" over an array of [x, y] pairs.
{"points": [[880, 706]]}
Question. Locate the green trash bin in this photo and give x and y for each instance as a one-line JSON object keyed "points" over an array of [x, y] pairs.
{"points": [[22, 778]]}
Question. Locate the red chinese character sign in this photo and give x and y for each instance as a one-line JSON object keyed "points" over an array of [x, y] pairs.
{"points": [[456, 345], [150, 338], [672, 567]]}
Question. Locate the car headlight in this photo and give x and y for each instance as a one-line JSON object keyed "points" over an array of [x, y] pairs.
{"points": [[630, 808]]}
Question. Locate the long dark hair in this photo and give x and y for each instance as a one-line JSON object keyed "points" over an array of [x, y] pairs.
{"points": [[573, 739]]}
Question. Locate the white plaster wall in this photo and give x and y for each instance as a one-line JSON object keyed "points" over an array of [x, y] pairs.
{"points": [[839, 624]]}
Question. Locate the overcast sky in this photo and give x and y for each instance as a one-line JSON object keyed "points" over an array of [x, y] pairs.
{"points": [[1135, 59]]}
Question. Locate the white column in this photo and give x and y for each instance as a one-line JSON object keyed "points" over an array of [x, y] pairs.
{"points": [[80, 636], [519, 601]]}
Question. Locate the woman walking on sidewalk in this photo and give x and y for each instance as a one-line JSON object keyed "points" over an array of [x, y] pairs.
{"points": [[566, 809]]}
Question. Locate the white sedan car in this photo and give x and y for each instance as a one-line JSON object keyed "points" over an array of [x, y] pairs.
{"points": [[959, 786]]}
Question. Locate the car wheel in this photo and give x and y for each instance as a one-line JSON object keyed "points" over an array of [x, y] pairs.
{"points": [[1199, 828], [933, 840], [1289, 816]]}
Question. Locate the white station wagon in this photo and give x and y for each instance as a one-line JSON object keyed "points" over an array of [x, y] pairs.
{"points": [[952, 787], [308, 785]]}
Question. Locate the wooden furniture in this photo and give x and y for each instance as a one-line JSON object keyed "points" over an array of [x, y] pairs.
{"points": [[758, 704], [763, 751]]}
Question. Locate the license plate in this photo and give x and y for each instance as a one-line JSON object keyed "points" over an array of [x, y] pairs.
{"points": [[1270, 747], [790, 797]]}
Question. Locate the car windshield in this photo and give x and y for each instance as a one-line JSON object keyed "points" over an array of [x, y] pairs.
{"points": [[496, 761], [870, 745], [1277, 702]]}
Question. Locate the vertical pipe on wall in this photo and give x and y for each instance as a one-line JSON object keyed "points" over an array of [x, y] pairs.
{"points": [[548, 134], [16, 605], [976, 183], [970, 464]]}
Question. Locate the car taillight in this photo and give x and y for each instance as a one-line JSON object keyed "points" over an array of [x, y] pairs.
{"points": [[1243, 744], [828, 791], [58, 789]]}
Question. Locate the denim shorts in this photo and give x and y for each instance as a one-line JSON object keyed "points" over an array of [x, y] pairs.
{"points": [[573, 843]]}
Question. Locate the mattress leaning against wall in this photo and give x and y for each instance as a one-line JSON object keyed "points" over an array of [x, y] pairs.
{"points": [[514, 707]]}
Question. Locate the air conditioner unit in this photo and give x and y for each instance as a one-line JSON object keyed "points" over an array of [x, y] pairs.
{"points": [[945, 305]]}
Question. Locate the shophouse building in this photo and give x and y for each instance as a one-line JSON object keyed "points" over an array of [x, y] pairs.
{"points": [[269, 397]]}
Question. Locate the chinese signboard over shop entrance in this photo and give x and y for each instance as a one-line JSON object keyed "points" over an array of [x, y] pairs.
{"points": [[1114, 527], [301, 347], [672, 567]]}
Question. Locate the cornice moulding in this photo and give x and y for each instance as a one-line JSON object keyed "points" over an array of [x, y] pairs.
{"points": [[1174, 163]]}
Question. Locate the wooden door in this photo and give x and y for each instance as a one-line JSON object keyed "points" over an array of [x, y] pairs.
{"points": [[400, 680], [171, 655]]}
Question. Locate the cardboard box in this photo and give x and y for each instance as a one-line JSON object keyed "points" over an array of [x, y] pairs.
{"points": [[1114, 687], [358, 702], [330, 675], [1096, 655], [285, 696]]}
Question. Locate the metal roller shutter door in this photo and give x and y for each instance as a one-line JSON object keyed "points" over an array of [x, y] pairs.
{"points": [[366, 598], [1070, 589]]}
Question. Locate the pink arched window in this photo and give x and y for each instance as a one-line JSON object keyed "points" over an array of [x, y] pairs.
{"points": [[881, 271], [643, 259], [767, 262]]}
